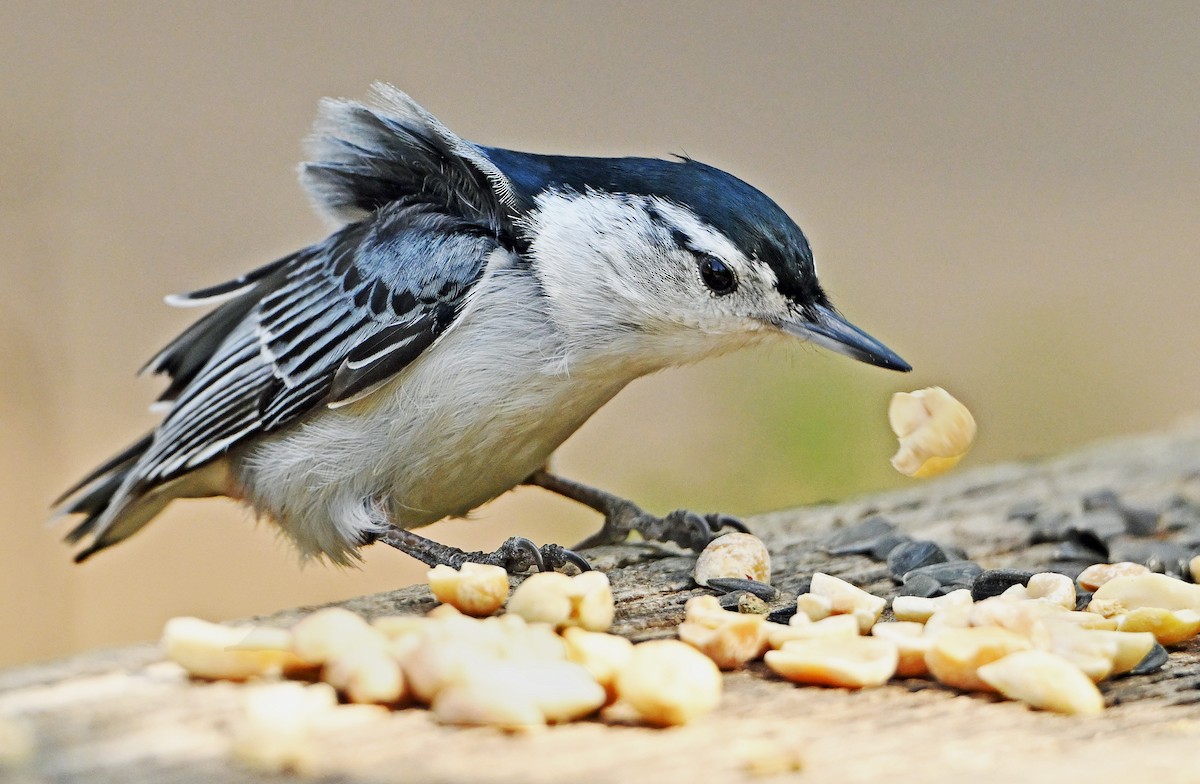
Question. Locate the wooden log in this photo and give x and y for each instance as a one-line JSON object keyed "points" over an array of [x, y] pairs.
{"points": [[127, 716]]}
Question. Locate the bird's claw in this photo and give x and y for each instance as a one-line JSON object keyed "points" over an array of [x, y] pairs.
{"points": [[689, 530], [518, 555]]}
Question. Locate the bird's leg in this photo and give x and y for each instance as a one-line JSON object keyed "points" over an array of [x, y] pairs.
{"points": [[516, 555], [621, 516]]}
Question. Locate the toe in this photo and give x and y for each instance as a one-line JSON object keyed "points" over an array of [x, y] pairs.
{"points": [[520, 554], [719, 522]]}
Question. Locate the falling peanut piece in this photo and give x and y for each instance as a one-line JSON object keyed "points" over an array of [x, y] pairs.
{"points": [[935, 431]]}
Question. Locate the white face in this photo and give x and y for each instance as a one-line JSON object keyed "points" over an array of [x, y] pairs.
{"points": [[614, 271]]}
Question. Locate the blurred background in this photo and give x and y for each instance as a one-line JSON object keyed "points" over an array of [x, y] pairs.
{"points": [[1005, 193]]}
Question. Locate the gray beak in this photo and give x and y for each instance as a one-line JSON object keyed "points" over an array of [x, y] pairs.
{"points": [[833, 332]]}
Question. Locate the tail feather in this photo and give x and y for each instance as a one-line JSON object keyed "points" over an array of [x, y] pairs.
{"points": [[132, 515], [115, 465], [117, 505], [93, 504]]}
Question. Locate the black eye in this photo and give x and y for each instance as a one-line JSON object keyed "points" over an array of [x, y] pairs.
{"points": [[717, 275]]}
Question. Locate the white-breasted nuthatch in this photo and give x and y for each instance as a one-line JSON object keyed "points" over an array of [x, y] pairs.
{"points": [[475, 308]]}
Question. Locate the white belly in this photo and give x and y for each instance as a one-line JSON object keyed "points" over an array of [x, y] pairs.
{"points": [[471, 418]]}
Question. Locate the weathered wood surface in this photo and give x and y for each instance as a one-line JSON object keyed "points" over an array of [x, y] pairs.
{"points": [[126, 716]]}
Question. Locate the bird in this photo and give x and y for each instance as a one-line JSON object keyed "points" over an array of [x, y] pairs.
{"points": [[473, 307]]}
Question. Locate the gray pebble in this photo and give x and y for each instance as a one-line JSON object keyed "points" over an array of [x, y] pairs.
{"points": [[860, 537], [994, 582], [1077, 551], [1101, 499], [950, 574], [1104, 524], [1180, 518], [1049, 526], [1140, 520], [954, 553], [1025, 510], [1082, 598], [920, 585], [1163, 557], [913, 555], [1072, 567], [1151, 662], [885, 544]]}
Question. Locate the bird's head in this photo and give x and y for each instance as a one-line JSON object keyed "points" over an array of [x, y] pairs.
{"points": [[676, 257]]}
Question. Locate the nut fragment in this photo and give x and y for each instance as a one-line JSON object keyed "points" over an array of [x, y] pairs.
{"points": [[935, 431], [731, 643], [1043, 680], [495, 705], [956, 655], [210, 650], [920, 609], [849, 599], [276, 729], [833, 626], [331, 631], [1086, 620], [1052, 587], [1091, 653], [734, 555], [475, 589], [848, 662], [669, 682], [512, 692], [728, 638], [601, 654], [1096, 575], [1122, 594], [814, 607], [911, 644], [1131, 648], [1169, 627], [368, 675], [584, 600], [450, 651], [1026, 617]]}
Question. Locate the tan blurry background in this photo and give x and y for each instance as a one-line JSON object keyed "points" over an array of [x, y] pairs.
{"points": [[1006, 194]]}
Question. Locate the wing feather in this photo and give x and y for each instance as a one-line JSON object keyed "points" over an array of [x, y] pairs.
{"points": [[312, 342]]}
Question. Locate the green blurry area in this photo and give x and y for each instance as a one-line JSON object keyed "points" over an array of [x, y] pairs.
{"points": [[788, 428]]}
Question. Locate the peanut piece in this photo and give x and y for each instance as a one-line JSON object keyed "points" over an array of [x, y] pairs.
{"points": [[474, 589], [1045, 681], [935, 431]]}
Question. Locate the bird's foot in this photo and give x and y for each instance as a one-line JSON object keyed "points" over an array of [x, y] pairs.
{"points": [[621, 517], [515, 556], [689, 530]]}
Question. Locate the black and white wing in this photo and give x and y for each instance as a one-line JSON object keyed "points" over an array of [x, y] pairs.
{"points": [[331, 323], [338, 321]]}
